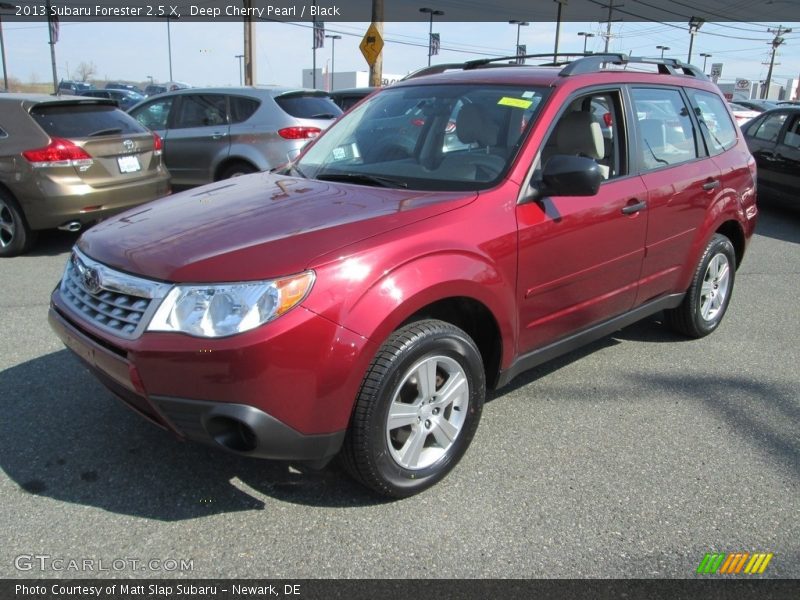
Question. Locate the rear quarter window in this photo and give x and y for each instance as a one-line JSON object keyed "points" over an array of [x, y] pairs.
{"points": [[242, 108], [302, 106], [716, 125], [83, 120]]}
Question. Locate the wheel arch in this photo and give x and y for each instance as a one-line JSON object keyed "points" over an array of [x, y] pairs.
{"points": [[230, 161], [732, 230]]}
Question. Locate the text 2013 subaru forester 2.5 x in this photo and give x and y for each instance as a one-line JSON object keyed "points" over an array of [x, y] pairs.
{"points": [[443, 236]]}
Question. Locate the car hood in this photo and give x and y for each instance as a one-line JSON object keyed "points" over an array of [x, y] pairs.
{"points": [[254, 227]]}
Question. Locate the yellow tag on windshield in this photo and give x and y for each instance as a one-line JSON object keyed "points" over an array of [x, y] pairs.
{"points": [[515, 102]]}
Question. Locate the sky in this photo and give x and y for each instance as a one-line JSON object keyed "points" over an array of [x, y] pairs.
{"points": [[204, 53]]}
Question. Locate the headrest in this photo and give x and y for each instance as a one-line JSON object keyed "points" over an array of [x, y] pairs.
{"points": [[474, 125], [578, 133]]}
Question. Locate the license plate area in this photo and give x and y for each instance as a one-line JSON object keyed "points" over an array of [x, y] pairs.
{"points": [[129, 164]]}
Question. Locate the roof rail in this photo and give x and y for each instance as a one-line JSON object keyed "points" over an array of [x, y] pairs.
{"points": [[573, 64]]}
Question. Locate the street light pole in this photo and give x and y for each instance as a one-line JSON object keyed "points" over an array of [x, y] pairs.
{"points": [[240, 57], [432, 12], [694, 25], [333, 39], [169, 42], [705, 56], [663, 48], [586, 37], [519, 24]]}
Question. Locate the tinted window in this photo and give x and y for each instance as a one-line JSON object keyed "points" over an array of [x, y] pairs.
{"points": [[307, 106], [155, 114], [201, 111], [716, 125], [664, 128], [3, 133], [242, 108], [769, 128], [792, 137], [77, 121]]}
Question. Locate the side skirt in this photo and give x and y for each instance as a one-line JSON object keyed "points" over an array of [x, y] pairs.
{"points": [[576, 340]]}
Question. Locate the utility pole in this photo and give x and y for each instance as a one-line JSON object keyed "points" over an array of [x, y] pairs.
{"points": [[249, 45], [240, 57], [376, 70], [776, 42], [607, 35]]}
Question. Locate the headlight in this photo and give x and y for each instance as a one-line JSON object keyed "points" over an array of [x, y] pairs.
{"points": [[229, 308]]}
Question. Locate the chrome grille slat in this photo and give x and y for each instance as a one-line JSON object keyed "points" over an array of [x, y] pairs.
{"points": [[117, 302]]}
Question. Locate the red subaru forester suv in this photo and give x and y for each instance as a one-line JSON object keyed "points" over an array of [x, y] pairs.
{"points": [[446, 234]]}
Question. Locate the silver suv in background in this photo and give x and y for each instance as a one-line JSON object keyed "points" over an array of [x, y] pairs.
{"points": [[216, 133]]}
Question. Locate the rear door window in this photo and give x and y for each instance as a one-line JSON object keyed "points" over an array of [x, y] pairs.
{"points": [[84, 120], [665, 130], [308, 106], [242, 108]]}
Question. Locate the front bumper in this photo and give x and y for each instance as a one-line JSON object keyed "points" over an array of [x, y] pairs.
{"points": [[285, 396]]}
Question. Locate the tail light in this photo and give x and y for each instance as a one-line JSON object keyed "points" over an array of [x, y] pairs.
{"points": [[299, 133], [417, 122], [58, 153], [607, 119], [158, 145]]}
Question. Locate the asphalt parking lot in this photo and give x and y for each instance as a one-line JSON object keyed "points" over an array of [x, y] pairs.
{"points": [[630, 458]]}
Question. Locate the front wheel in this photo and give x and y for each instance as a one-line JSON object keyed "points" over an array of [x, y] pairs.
{"points": [[417, 410], [708, 296]]}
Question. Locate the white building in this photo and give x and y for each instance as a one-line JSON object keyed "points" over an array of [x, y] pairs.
{"points": [[343, 80]]}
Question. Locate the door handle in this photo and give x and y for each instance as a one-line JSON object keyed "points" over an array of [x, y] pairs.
{"points": [[634, 208], [218, 135], [711, 185]]}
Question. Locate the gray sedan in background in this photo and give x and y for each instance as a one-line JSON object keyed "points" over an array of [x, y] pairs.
{"points": [[216, 133]]}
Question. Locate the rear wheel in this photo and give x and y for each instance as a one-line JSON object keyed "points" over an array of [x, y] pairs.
{"points": [[708, 296], [15, 235], [237, 169], [417, 411]]}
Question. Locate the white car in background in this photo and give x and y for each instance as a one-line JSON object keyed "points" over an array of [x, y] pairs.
{"points": [[742, 114]]}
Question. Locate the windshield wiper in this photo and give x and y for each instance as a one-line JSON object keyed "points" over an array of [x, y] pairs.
{"points": [[363, 178], [287, 170], [108, 131]]}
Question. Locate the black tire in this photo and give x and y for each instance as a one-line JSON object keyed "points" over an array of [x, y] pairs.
{"points": [[373, 453], [708, 296], [237, 169], [15, 236]]}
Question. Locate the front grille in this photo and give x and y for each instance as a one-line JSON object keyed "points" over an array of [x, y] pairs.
{"points": [[114, 301]]}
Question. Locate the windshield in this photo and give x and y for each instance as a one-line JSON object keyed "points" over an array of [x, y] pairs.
{"points": [[427, 137]]}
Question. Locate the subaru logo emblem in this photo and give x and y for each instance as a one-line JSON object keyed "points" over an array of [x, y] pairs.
{"points": [[130, 146], [91, 280]]}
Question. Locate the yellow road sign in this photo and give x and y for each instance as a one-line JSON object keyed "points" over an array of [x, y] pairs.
{"points": [[371, 45]]}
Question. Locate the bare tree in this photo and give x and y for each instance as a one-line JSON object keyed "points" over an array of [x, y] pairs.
{"points": [[85, 71]]}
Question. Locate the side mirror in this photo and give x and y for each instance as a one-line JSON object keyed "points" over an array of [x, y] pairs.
{"points": [[565, 175]]}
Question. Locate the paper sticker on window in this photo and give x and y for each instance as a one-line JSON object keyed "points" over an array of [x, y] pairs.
{"points": [[515, 102]]}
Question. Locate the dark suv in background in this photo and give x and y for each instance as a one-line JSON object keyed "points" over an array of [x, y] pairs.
{"points": [[66, 162], [217, 133], [360, 301]]}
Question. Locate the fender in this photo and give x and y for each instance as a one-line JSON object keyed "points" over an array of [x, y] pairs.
{"points": [[727, 206], [381, 306]]}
